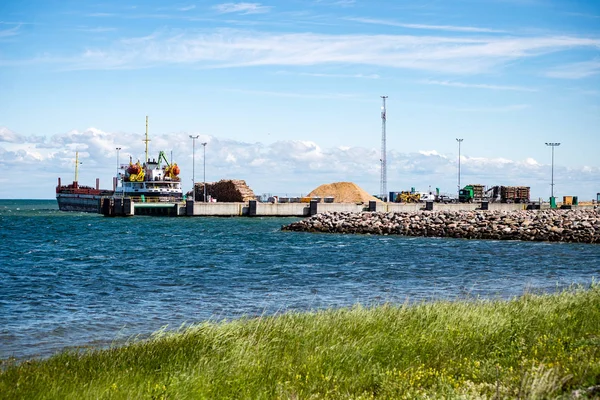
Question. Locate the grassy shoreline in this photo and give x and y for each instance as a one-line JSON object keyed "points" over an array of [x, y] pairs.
{"points": [[534, 346]]}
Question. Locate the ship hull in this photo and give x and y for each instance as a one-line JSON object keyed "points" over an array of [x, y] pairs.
{"points": [[79, 202]]}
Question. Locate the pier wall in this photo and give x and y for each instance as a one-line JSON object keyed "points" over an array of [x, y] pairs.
{"points": [[220, 209], [280, 210], [126, 207], [340, 207]]}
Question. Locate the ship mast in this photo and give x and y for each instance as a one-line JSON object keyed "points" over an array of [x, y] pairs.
{"points": [[76, 166], [146, 140]]}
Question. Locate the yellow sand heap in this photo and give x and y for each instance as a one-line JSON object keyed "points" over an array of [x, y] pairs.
{"points": [[343, 192]]}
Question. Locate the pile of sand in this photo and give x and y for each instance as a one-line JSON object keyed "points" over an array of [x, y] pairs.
{"points": [[343, 192]]}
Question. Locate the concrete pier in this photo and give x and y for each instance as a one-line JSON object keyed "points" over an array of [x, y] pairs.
{"points": [[127, 207]]}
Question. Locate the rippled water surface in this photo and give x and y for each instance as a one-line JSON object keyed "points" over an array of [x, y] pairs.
{"points": [[74, 279]]}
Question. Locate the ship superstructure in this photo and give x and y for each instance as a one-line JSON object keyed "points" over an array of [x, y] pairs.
{"points": [[150, 181]]}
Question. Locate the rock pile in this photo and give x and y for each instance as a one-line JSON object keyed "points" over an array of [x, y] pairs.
{"points": [[582, 226]]}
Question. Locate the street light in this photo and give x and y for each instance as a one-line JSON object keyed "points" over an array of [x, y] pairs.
{"points": [[118, 149], [194, 166], [459, 142], [553, 145], [204, 185]]}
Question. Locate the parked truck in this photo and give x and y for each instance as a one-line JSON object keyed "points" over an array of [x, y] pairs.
{"points": [[471, 193], [504, 194]]}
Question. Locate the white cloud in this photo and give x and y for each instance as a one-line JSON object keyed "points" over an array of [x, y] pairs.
{"points": [[532, 162], [430, 153], [6, 135], [242, 8], [449, 28], [291, 167], [478, 86], [576, 70], [235, 48]]}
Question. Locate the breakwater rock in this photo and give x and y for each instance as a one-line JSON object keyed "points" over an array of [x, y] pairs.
{"points": [[581, 226]]}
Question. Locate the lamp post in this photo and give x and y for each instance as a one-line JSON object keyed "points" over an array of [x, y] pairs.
{"points": [[459, 142], [118, 149], [194, 166], [204, 172], [553, 145]]}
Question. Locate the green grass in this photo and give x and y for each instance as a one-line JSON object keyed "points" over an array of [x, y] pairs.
{"points": [[535, 346]]}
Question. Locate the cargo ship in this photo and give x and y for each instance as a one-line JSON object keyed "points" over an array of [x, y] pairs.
{"points": [[150, 181], [73, 197], [146, 182]]}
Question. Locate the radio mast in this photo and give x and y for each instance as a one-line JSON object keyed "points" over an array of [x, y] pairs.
{"points": [[146, 140], [383, 188]]}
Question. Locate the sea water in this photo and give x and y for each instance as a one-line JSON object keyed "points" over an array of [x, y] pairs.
{"points": [[78, 280]]}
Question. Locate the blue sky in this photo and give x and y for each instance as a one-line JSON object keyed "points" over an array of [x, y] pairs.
{"points": [[287, 94]]}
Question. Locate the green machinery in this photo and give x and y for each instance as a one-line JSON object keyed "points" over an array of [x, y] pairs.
{"points": [[470, 193], [465, 195]]}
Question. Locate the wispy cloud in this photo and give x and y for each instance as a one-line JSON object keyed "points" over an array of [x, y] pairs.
{"points": [[525, 2], [186, 8], [97, 29], [576, 70], [10, 31], [449, 28], [241, 8], [478, 86], [584, 15], [235, 48], [589, 92], [297, 94], [337, 3], [500, 109], [324, 75], [101, 14]]}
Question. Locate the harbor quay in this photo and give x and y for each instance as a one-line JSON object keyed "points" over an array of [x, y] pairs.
{"points": [[117, 207]]}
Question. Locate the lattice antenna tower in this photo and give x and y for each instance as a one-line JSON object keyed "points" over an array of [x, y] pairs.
{"points": [[383, 188], [146, 140]]}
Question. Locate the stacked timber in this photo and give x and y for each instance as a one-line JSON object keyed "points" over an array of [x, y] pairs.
{"points": [[523, 193], [508, 192], [478, 191], [581, 226], [514, 194], [226, 190]]}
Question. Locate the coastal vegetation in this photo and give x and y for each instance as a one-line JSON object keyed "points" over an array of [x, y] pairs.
{"points": [[533, 346]]}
